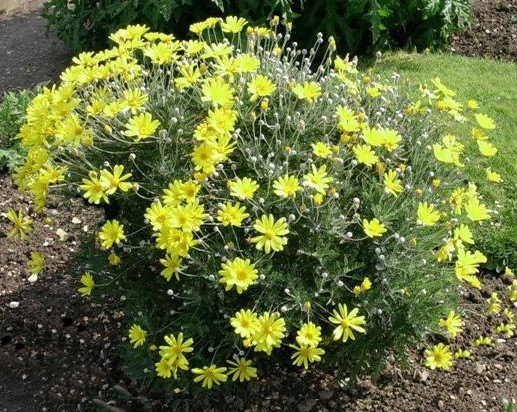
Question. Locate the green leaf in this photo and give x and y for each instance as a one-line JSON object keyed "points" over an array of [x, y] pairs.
{"points": [[219, 4]]}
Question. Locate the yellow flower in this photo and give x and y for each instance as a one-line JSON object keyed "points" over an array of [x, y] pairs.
{"points": [[189, 217], [467, 264], [175, 241], [427, 215], [373, 92], [463, 234], [318, 179], [307, 90], [112, 182], [111, 232], [141, 126], [478, 134], [439, 357], [169, 366], [476, 211], [441, 88], [88, 284], [321, 149], [164, 368], [239, 273], [494, 303], [507, 328], [245, 323], [472, 105], [175, 347], [373, 227], [217, 92], [452, 323], [391, 139], [508, 271], [137, 335], [365, 155], [272, 233], [317, 199], [209, 375], [513, 294], [260, 86], [492, 176], [347, 323], [309, 334], [172, 263], [114, 259], [205, 156], [233, 24], [347, 119], [243, 188], [269, 332], [392, 184], [305, 354], [198, 27], [366, 284], [485, 121], [483, 340], [36, 264], [462, 353], [94, 190], [242, 369], [372, 136], [21, 224], [247, 63], [157, 215], [232, 214], [135, 99], [286, 186], [486, 148]]}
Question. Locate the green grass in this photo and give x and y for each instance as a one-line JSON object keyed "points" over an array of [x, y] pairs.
{"points": [[493, 84]]}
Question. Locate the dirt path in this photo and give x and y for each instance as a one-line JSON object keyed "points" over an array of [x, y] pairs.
{"points": [[27, 56]]}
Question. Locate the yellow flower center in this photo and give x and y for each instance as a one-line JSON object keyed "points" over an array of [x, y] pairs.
{"points": [[269, 235]]}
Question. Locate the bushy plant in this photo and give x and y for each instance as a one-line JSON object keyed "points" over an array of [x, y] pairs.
{"points": [[359, 26], [86, 24], [267, 211], [12, 116]]}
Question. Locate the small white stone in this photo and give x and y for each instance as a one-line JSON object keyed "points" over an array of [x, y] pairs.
{"points": [[14, 304]]}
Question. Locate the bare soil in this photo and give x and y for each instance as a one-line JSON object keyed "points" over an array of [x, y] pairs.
{"points": [[57, 349]]}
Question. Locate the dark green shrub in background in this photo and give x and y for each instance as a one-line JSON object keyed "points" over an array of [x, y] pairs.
{"points": [[359, 26], [86, 24], [363, 26]]}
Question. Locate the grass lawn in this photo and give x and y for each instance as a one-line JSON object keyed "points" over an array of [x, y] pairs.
{"points": [[494, 85]]}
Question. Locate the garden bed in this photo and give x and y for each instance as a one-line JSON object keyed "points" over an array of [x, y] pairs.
{"points": [[56, 348]]}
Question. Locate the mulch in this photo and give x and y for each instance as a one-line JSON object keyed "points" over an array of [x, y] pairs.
{"points": [[57, 349]]}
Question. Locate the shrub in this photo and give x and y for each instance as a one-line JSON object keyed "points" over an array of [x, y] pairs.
{"points": [[267, 212], [12, 116], [359, 26], [86, 24]]}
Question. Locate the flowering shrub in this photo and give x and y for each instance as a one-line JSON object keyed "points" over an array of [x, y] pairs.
{"points": [[269, 209]]}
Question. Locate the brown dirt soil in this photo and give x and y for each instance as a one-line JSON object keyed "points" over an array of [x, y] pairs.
{"points": [[56, 348], [493, 31]]}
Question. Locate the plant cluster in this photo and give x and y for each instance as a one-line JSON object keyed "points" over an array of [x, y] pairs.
{"points": [[269, 208], [359, 26], [12, 116]]}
